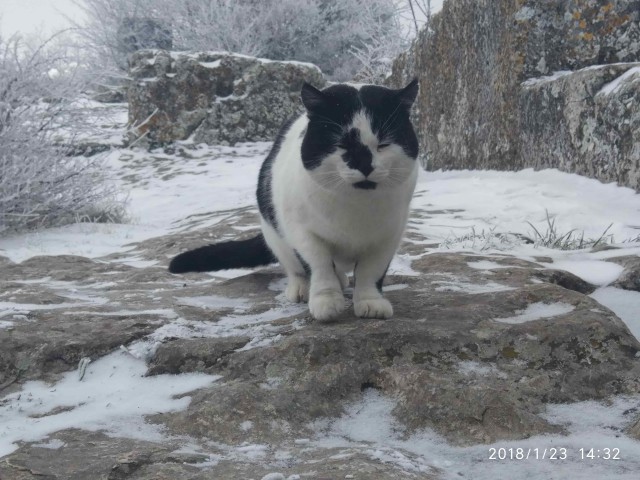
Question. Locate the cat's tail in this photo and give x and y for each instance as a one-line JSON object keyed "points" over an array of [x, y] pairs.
{"points": [[252, 252]]}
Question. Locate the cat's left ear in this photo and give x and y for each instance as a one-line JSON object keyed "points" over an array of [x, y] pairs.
{"points": [[312, 98], [408, 94]]}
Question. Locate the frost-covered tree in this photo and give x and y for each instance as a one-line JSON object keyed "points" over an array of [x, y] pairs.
{"points": [[41, 184], [333, 34]]}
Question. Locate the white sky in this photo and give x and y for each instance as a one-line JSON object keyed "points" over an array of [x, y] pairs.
{"points": [[36, 16]]}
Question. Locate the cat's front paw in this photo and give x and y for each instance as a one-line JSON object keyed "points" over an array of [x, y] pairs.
{"points": [[378, 307], [326, 305], [297, 290]]}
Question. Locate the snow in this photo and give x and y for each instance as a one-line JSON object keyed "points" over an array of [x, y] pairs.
{"points": [[461, 286], [547, 78], [614, 86], [596, 272], [624, 303], [368, 428], [53, 444], [216, 302], [537, 311], [98, 239], [486, 265], [255, 325], [505, 201], [113, 397], [214, 64], [274, 476], [177, 55], [607, 89]]}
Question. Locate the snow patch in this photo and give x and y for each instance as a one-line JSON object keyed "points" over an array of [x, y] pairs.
{"points": [[113, 396], [53, 444], [368, 427], [624, 303], [595, 272], [614, 86], [216, 302], [470, 288], [537, 311], [548, 78], [486, 265]]}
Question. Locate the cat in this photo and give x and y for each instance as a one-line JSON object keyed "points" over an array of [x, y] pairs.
{"points": [[333, 195]]}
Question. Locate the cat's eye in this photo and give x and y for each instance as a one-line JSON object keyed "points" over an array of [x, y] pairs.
{"points": [[382, 146]]}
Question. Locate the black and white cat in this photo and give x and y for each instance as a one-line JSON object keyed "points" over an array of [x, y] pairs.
{"points": [[334, 196]]}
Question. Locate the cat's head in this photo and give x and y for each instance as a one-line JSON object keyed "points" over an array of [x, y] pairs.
{"points": [[359, 137]]}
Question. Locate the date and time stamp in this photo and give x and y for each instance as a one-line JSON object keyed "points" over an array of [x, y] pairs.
{"points": [[555, 453]]}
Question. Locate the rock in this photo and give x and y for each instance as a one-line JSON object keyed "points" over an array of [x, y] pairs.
{"points": [[195, 355], [585, 122], [446, 357], [629, 279], [80, 455], [634, 429], [459, 358], [220, 98], [489, 96]]}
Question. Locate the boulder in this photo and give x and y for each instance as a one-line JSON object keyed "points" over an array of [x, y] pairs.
{"points": [[508, 85], [219, 98], [458, 359]]}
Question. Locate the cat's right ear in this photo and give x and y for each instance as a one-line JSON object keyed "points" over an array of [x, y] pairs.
{"points": [[408, 94], [312, 98]]}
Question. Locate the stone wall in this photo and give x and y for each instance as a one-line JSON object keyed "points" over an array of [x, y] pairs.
{"points": [[530, 83], [219, 98]]}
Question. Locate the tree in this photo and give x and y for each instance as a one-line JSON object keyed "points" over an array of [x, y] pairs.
{"points": [[328, 33], [41, 183]]}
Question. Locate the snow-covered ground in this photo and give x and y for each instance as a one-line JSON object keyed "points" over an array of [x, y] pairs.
{"points": [[486, 212]]}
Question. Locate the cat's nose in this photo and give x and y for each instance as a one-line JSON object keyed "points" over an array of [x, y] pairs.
{"points": [[366, 169]]}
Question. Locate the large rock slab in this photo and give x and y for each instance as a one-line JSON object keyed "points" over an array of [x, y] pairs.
{"points": [[478, 350], [220, 98], [586, 122], [478, 106], [455, 357]]}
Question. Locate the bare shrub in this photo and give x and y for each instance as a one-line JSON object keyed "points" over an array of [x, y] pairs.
{"points": [[41, 184]]}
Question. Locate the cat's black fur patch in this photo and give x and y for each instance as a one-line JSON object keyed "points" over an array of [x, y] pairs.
{"points": [[357, 156], [381, 279], [263, 193], [305, 265], [389, 114], [252, 252], [331, 111]]}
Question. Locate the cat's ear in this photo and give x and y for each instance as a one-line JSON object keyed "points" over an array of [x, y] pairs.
{"points": [[312, 98], [408, 94]]}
